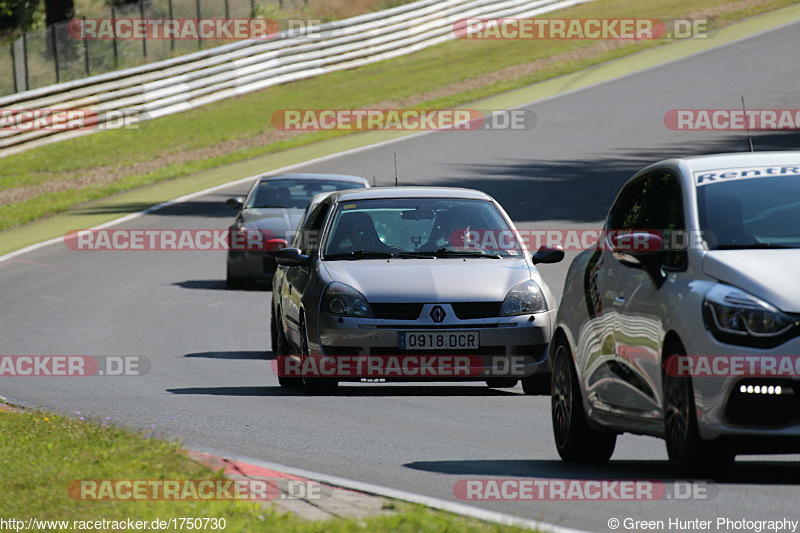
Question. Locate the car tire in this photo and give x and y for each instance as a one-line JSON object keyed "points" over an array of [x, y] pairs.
{"points": [[314, 385], [685, 449], [501, 383], [576, 440], [280, 347], [537, 384]]}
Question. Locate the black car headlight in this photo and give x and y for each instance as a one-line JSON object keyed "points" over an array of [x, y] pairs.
{"points": [[734, 312], [343, 300], [523, 299]]}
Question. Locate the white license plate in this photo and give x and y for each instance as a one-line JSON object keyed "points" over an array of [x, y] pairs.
{"points": [[438, 340]]}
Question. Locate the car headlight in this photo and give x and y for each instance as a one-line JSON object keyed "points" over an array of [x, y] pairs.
{"points": [[735, 312], [343, 300], [525, 298]]}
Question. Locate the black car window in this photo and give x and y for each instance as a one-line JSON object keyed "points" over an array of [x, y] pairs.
{"points": [[654, 203], [292, 193], [310, 233]]}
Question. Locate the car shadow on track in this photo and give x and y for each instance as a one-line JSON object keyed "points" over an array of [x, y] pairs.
{"points": [[345, 391], [744, 471], [219, 285], [210, 207], [233, 355], [582, 189]]}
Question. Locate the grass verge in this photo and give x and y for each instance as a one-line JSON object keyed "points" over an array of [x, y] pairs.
{"points": [[58, 177], [43, 452]]}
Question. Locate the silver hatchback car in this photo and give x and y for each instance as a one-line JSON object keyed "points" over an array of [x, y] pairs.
{"points": [[411, 284], [684, 322]]}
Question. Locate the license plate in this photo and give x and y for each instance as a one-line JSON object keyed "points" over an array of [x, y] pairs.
{"points": [[438, 340]]}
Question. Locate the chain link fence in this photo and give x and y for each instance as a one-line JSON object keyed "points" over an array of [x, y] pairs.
{"points": [[44, 57]]}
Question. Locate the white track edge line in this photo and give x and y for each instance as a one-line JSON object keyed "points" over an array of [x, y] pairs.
{"points": [[397, 494]]}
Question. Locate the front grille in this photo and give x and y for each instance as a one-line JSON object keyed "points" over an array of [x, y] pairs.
{"points": [[473, 310], [749, 409], [399, 311]]}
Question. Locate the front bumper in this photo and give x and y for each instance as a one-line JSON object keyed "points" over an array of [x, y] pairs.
{"points": [[510, 347], [729, 407]]}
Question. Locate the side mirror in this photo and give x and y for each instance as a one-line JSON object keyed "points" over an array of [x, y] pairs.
{"points": [[275, 244], [289, 256], [640, 250], [548, 254], [235, 203]]}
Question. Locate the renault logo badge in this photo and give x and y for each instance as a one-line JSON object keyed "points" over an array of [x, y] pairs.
{"points": [[437, 313]]}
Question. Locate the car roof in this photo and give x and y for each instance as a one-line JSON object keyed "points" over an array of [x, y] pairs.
{"points": [[690, 165], [312, 176], [409, 192]]}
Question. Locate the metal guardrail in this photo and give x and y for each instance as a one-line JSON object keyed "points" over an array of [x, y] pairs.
{"points": [[185, 82]]}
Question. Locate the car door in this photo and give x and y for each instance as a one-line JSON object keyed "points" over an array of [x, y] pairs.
{"points": [[639, 328], [596, 346], [296, 278]]}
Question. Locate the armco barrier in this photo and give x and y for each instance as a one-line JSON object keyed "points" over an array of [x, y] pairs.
{"points": [[192, 80]]}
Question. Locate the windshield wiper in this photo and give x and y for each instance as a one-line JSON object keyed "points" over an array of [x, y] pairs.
{"points": [[271, 207], [415, 255], [361, 254], [754, 246], [445, 252]]}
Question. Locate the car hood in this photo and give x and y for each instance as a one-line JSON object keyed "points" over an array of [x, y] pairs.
{"points": [[431, 280], [769, 274], [277, 220]]}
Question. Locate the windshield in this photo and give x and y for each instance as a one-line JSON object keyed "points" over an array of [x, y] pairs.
{"points": [[757, 212], [431, 227], [293, 193]]}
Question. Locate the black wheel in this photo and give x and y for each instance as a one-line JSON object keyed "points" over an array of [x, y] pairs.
{"points": [[281, 347], [685, 449], [537, 384], [501, 383], [314, 385], [575, 439]]}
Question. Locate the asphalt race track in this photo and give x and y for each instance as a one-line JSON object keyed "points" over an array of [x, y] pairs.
{"points": [[211, 385]]}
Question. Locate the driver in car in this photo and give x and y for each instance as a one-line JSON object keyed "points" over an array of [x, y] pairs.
{"points": [[356, 231]]}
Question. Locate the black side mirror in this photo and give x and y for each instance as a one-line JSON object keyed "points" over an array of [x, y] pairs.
{"points": [[289, 257], [641, 250], [235, 203], [548, 254]]}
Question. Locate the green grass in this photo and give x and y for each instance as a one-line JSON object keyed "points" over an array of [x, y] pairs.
{"points": [[178, 143], [43, 452]]}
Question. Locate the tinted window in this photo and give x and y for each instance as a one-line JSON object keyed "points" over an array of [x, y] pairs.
{"points": [[653, 203], [308, 238], [419, 225], [757, 212], [292, 193]]}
